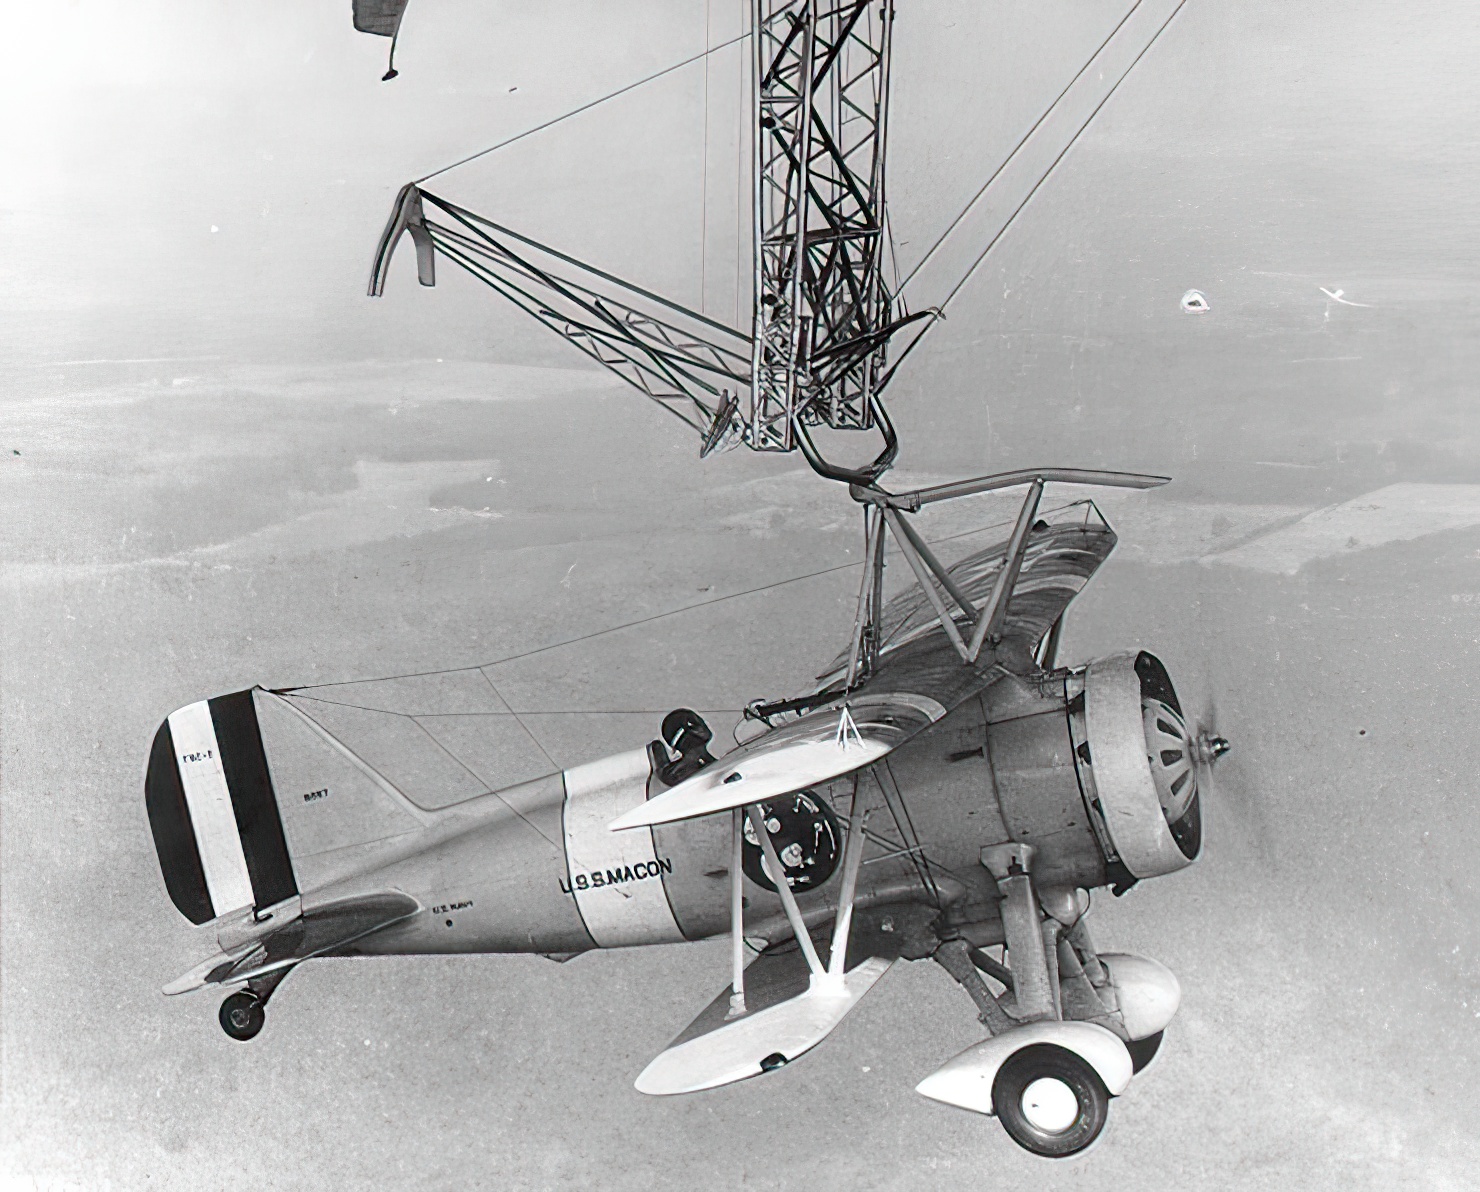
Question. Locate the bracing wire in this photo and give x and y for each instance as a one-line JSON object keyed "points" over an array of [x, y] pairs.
{"points": [[511, 714], [585, 637], [982, 256], [585, 107], [1006, 161], [741, 106], [704, 175], [1042, 178]]}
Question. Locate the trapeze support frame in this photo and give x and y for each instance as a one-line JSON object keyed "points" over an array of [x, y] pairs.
{"points": [[406, 216]]}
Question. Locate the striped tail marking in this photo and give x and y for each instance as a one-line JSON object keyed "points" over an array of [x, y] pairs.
{"points": [[213, 811]]}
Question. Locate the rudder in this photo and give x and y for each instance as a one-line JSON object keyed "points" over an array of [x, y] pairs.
{"points": [[213, 811]]}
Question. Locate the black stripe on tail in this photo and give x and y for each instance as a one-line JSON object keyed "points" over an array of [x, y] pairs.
{"points": [[174, 834], [257, 820]]}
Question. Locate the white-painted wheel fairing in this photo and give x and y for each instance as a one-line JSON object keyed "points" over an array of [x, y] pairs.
{"points": [[966, 1080], [1146, 992]]}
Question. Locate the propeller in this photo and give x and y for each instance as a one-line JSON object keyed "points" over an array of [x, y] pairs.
{"points": [[1182, 754], [1208, 747]]}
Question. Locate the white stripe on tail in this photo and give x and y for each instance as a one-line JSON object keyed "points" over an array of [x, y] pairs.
{"points": [[211, 813]]}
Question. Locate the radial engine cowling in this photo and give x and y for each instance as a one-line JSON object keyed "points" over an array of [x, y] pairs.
{"points": [[1141, 763]]}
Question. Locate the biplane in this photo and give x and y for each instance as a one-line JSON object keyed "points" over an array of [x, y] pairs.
{"points": [[953, 798], [946, 790]]}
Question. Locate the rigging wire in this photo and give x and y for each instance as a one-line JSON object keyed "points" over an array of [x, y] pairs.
{"points": [[585, 637], [982, 256], [704, 175], [741, 106], [296, 693], [1006, 161], [488, 787], [672, 612], [585, 107], [528, 732], [1054, 164]]}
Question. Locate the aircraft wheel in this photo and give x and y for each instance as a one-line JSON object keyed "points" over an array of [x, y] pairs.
{"points": [[1050, 1101], [242, 1016], [1143, 1051]]}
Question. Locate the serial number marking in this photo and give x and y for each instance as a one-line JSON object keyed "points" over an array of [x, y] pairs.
{"points": [[616, 877], [452, 906], [197, 757], [319, 794]]}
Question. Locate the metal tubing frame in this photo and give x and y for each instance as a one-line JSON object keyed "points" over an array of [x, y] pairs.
{"points": [[681, 368], [783, 890], [822, 311], [852, 857], [922, 573], [925, 553], [989, 623], [737, 912], [912, 502], [873, 542]]}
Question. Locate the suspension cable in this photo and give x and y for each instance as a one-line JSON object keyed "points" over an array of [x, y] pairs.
{"points": [[939, 310], [704, 174], [672, 612], [585, 107], [982, 256], [1006, 161]]}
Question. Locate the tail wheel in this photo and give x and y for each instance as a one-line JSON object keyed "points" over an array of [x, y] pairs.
{"points": [[1050, 1101], [242, 1016]]}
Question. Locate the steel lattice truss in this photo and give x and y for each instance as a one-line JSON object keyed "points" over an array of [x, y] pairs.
{"points": [[681, 359], [823, 312], [822, 309]]}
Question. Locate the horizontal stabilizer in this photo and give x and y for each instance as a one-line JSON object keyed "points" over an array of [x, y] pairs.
{"points": [[787, 1013], [205, 973], [811, 750], [316, 932]]}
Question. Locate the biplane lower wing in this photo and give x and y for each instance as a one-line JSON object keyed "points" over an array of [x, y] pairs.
{"points": [[788, 1012]]}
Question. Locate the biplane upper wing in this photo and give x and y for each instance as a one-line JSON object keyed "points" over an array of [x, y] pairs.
{"points": [[1058, 561], [825, 743]]}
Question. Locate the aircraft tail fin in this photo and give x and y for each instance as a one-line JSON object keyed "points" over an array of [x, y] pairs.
{"points": [[251, 802], [213, 811]]}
